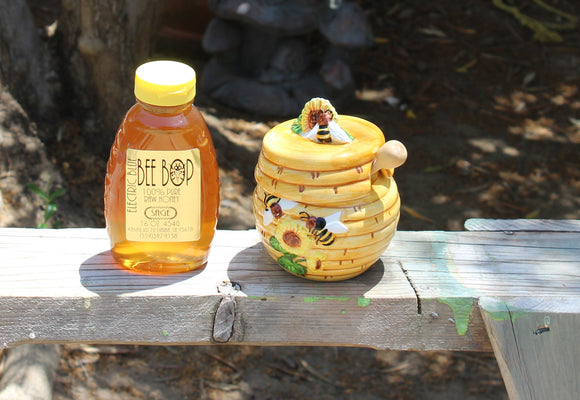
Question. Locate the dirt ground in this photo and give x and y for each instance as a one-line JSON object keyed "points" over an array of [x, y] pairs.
{"points": [[491, 120], [232, 373]]}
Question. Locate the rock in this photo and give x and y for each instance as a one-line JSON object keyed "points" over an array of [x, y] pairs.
{"points": [[347, 26], [220, 36], [289, 17], [265, 59], [23, 161]]}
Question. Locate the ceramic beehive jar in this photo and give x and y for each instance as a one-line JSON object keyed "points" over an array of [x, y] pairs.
{"points": [[326, 203]]}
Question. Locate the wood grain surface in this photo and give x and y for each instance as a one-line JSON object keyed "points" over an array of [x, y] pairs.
{"points": [[424, 293]]}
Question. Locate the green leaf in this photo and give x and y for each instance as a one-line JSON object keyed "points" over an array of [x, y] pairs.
{"points": [[434, 168], [532, 215], [57, 194], [38, 191], [287, 262], [296, 125], [276, 245], [49, 211]]}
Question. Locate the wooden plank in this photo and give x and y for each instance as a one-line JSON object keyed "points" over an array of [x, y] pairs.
{"points": [[537, 352], [534, 275], [492, 264], [450, 271], [530, 225], [63, 286]]}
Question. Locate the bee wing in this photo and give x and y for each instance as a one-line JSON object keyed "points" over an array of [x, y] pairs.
{"points": [[268, 217], [311, 134], [338, 134], [334, 225], [287, 204], [333, 217]]}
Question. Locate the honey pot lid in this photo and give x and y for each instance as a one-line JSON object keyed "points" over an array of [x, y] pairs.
{"points": [[321, 140]]}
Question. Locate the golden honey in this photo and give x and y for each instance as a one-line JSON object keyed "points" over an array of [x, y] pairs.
{"points": [[162, 183]]}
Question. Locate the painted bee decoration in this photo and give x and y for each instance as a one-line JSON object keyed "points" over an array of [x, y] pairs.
{"points": [[318, 122], [274, 207], [324, 229]]}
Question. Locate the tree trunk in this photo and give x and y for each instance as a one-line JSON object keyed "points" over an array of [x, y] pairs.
{"points": [[100, 43], [29, 372], [26, 67], [103, 41]]}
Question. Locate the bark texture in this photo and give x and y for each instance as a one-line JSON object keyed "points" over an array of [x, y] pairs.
{"points": [[26, 66], [29, 372], [102, 43]]}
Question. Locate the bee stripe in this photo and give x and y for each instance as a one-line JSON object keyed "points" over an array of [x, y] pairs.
{"points": [[325, 237]]}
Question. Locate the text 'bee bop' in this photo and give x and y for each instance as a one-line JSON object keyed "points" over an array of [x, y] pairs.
{"points": [[154, 172]]}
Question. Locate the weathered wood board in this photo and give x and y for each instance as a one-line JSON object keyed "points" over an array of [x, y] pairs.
{"points": [[59, 286], [529, 225], [538, 353], [535, 337]]}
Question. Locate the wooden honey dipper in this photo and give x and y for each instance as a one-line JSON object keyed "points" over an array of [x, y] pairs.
{"points": [[390, 155]]}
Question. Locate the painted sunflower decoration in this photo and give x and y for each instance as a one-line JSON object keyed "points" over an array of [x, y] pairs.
{"points": [[293, 239], [318, 122]]}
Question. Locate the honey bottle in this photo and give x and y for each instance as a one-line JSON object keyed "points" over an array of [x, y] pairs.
{"points": [[162, 182]]}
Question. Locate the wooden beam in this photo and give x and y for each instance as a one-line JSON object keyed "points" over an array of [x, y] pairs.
{"points": [[59, 286], [529, 225], [533, 336], [538, 353]]}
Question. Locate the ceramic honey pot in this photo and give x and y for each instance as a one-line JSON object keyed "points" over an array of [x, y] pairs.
{"points": [[326, 203]]}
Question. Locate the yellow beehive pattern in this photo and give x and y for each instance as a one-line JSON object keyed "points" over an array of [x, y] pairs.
{"points": [[321, 212]]}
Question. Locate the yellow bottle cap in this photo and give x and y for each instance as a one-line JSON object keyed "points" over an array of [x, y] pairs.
{"points": [[165, 83]]}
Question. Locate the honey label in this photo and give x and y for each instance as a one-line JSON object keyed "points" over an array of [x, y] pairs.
{"points": [[163, 195]]}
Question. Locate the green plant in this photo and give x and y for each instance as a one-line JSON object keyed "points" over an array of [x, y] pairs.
{"points": [[49, 199]]}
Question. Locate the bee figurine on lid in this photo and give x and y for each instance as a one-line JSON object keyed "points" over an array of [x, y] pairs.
{"points": [[326, 203]]}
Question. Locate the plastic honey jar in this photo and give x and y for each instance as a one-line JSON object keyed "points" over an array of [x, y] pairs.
{"points": [[162, 182], [326, 203]]}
